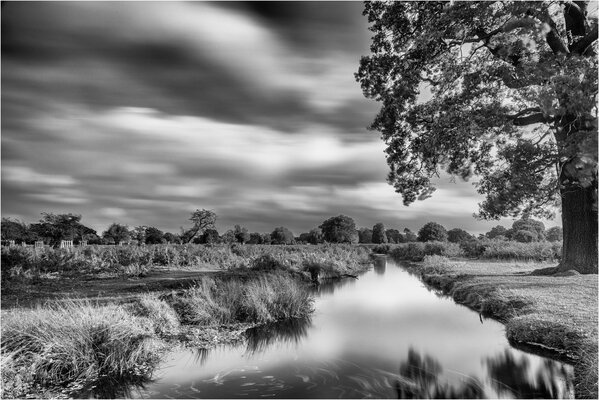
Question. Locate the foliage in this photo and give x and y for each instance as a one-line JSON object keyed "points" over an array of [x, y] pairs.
{"points": [[281, 235], [492, 68], [409, 235], [554, 234], [497, 231], [432, 231], [210, 236], [365, 235], [16, 230], [202, 219], [417, 251], [339, 229], [117, 233], [378, 233], [315, 236], [394, 236], [153, 236], [53, 228], [527, 230], [241, 234], [457, 235]]}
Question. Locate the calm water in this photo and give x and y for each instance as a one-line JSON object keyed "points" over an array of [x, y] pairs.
{"points": [[383, 335]]}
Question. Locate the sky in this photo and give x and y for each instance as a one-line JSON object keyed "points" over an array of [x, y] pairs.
{"points": [[141, 112]]}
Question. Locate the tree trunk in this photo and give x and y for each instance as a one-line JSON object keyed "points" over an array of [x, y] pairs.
{"points": [[579, 221]]}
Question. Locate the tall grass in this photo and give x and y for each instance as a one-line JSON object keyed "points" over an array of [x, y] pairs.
{"points": [[137, 261], [481, 249], [266, 298], [73, 344]]}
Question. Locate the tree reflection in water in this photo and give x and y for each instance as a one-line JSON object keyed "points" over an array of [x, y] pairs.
{"points": [[262, 337], [419, 379], [512, 376], [380, 265]]}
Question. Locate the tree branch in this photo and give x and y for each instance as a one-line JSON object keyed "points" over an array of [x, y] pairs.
{"points": [[531, 119]]}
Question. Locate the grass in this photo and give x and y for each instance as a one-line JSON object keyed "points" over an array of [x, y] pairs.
{"points": [[71, 346], [559, 313], [132, 261]]}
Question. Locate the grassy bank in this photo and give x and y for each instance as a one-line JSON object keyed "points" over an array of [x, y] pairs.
{"points": [[19, 263], [558, 314], [69, 348], [479, 249]]}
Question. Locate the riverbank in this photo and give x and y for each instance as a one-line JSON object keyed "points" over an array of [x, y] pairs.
{"points": [[63, 336], [557, 315]]}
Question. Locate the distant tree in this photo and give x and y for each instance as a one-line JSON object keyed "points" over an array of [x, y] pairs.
{"points": [[365, 235], [266, 238], [378, 233], [281, 235], [154, 236], [255, 238], [229, 237], [457, 235], [52, 228], [554, 234], [241, 234], [394, 236], [432, 231], [534, 230], [116, 233], [513, 99], [497, 231], [92, 238], [339, 229], [303, 238], [139, 233], [209, 236], [315, 236], [409, 235], [202, 220], [172, 238], [16, 230]]}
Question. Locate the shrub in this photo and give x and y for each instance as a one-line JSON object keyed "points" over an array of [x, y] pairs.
{"points": [[381, 249], [268, 263]]}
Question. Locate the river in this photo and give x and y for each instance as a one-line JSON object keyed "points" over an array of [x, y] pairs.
{"points": [[384, 335]]}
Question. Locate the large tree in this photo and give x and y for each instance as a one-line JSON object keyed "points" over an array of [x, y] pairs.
{"points": [[506, 91]]}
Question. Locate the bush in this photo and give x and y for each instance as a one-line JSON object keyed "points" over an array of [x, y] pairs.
{"points": [[268, 263]]}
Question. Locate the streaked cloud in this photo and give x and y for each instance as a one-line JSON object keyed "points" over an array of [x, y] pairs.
{"points": [[140, 112]]}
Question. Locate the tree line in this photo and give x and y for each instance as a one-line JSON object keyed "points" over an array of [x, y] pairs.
{"points": [[53, 228]]}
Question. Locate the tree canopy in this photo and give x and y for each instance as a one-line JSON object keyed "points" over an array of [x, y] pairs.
{"points": [[339, 229], [503, 90], [432, 231]]}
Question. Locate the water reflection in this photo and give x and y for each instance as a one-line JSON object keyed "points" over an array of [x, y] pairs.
{"points": [[328, 287], [419, 379], [290, 331], [380, 265], [514, 376]]}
